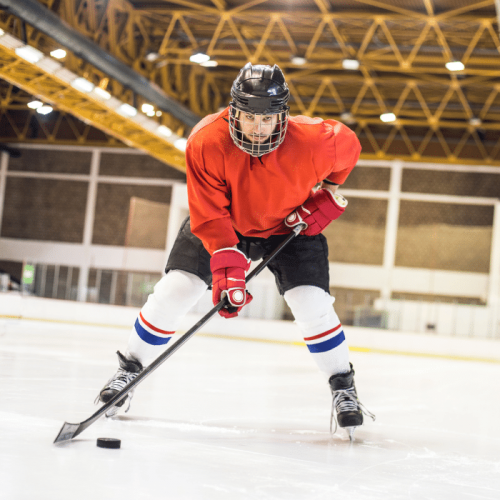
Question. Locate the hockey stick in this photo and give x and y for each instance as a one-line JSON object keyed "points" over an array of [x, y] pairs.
{"points": [[69, 431]]}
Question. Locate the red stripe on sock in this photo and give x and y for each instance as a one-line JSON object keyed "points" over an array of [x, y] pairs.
{"points": [[149, 325], [323, 334]]}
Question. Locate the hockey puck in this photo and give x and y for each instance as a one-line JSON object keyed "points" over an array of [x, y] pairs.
{"points": [[108, 443]]}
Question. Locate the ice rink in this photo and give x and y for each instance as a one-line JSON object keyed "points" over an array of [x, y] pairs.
{"points": [[233, 419]]}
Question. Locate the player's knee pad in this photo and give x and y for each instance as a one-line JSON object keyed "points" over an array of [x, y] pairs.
{"points": [[308, 302], [180, 285], [311, 307], [174, 295]]}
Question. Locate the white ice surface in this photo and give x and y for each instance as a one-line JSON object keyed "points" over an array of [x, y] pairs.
{"points": [[225, 419]]}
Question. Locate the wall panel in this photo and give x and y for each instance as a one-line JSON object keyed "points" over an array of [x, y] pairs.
{"points": [[44, 209], [45, 160], [113, 206]]}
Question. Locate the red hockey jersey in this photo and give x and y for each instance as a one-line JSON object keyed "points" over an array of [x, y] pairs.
{"points": [[230, 190]]}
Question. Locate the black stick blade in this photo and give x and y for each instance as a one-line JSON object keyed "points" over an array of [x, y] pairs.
{"points": [[67, 432]]}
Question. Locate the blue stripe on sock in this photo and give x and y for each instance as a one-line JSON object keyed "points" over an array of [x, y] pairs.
{"points": [[328, 344], [148, 337]]}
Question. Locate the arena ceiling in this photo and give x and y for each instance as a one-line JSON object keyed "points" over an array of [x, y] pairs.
{"points": [[351, 60]]}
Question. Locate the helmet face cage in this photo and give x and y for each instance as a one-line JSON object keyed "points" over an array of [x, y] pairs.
{"points": [[259, 100], [259, 128]]}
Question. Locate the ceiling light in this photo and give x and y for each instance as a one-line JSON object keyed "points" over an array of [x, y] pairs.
{"points": [[2, 32], [388, 117], [83, 85], [147, 108], [455, 66], [58, 54], [350, 64], [127, 110], [29, 54], [475, 122], [298, 61], [181, 144], [165, 131], [103, 94], [209, 64], [35, 104], [199, 58], [159, 113], [348, 118], [45, 110], [152, 56]]}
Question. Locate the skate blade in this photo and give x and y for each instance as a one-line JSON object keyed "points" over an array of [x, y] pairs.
{"points": [[125, 406], [350, 432], [113, 411]]}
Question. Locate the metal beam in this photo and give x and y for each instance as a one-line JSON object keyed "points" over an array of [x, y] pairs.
{"points": [[48, 23], [51, 85], [497, 7]]}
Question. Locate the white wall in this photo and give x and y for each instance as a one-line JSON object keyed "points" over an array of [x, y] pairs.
{"points": [[385, 278], [14, 306], [456, 320]]}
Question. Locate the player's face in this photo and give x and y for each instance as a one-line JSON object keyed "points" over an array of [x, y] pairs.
{"points": [[257, 128]]}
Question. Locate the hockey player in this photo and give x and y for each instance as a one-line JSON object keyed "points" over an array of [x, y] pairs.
{"points": [[251, 170]]}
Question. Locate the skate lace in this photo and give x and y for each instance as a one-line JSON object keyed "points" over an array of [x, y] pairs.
{"points": [[121, 379], [117, 382], [346, 400]]}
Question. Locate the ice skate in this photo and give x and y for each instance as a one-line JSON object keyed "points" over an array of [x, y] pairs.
{"points": [[129, 369], [347, 411]]}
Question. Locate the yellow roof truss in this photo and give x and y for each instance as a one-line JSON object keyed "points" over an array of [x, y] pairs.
{"points": [[402, 48]]}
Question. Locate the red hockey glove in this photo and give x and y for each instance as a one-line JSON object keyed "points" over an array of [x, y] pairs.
{"points": [[228, 277], [317, 212]]}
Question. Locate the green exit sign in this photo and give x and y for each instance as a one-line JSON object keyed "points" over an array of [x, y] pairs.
{"points": [[28, 274]]}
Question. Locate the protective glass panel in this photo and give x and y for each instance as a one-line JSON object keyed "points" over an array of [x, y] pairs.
{"points": [[358, 236], [444, 236]]}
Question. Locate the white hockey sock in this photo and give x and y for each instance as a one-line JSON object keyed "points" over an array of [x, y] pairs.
{"points": [[174, 295], [313, 310]]}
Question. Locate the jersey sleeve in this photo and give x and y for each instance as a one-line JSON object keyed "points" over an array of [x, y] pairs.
{"points": [[209, 200], [347, 149]]}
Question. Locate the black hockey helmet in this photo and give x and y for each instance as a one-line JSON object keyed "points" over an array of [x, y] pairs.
{"points": [[259, 90]]}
